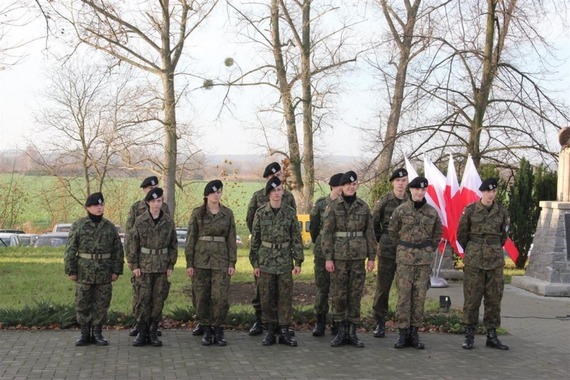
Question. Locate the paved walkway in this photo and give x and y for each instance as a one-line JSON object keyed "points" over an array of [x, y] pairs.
{"points": [[539, 337]]}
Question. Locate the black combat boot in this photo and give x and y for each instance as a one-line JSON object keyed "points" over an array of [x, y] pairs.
{"points": [[207, 338], [319, 329], [269, 338], [334, 328], [415, 337], [402, 339], [152, 334], [219, 336], [493, 341], [85, 338], [257, 328], [198, 330], [286, 337], [141, 338], [469, 341], [134, 331], [98, 335], [339, 338], [380, 330], [352, 337]]}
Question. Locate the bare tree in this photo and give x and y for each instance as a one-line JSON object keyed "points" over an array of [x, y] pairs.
{"points": [[303, 64], [89, 120], [14, 15], [150, 36]]}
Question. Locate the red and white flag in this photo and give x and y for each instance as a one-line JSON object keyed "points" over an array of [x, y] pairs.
{"points": [[452, 197]]}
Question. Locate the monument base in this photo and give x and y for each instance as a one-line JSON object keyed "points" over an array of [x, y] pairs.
{"points": [[543, 288]]}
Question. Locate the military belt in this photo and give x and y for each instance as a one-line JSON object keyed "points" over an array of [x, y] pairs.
{"points": [[267, 244], [423, 244], [160, 251], [491, 240], [94, 256], [213, 238], [349, 234]]}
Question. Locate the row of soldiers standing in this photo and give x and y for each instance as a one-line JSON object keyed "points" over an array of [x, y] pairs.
{"points": [[403, 230]]}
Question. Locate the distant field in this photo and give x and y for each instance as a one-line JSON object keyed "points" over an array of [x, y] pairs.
{"points": [[36, 203]]}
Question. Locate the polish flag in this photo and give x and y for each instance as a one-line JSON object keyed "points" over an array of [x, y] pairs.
{"points": [[452, 197], [434, 195], [411, 171], [470, 193]]}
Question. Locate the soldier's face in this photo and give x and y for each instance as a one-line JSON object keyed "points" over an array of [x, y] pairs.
{"points": [[418, 194], [155, 204], [350, 188], [488, 196], [336, 191], [399, 184], [96, 210], [215, 196], [277, 194]]}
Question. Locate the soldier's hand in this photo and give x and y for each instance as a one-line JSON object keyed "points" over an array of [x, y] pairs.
{"points": [[329, 266], [168, 272], [114, 277], [231, 271], [256, 272], [296, 270], [137, 272], [370, 265], [73, 277], [190, 272]]}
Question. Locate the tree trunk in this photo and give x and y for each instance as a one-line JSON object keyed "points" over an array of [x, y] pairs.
{"points": [[307, 185]]}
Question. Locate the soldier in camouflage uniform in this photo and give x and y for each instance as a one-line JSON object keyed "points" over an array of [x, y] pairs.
{"points": [[416, 229], [211, 255], [258, 200], [347, 240], [483, 230], [383, 210], [138, 208], [93, 259], [322, 277], [276, 254], [153, 251]]}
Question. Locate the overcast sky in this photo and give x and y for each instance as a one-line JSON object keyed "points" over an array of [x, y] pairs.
{"points": [[20, 87]]}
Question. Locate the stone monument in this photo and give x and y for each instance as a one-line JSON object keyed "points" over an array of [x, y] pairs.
{"points": [[548, 271]]}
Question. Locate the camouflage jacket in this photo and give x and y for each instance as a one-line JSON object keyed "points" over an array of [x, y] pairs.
{"points": [[93, 238], [137, 209], [259, 199], [279, 228], [489, 228], [383, 209], [149, 237], [341, 217], [211, 254], [316, 224], [409, 225]]}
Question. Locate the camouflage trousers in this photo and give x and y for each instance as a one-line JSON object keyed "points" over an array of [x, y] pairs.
{"points": [[92, 302], [384, 279], [411, 282], [136, 287], [347, 285], [276, 295], [210, 289], [152, 290], [479, 284], [322, 283], [256, 301]]}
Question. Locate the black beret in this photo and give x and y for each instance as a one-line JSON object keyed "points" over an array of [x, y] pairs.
{"points": [[348, 177], [418, 183], [153, 194], [271, 169], [489, 184], [213, 186], [399, 173], [335, 179], [149, 181], [272, 184], [95, 199]]}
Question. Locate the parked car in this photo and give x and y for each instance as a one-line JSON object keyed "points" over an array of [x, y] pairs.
{"points": [[28, 240], [181, 233], [11, 231], [239, 242], [52, 239], [8, 239], [62, 227]]}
